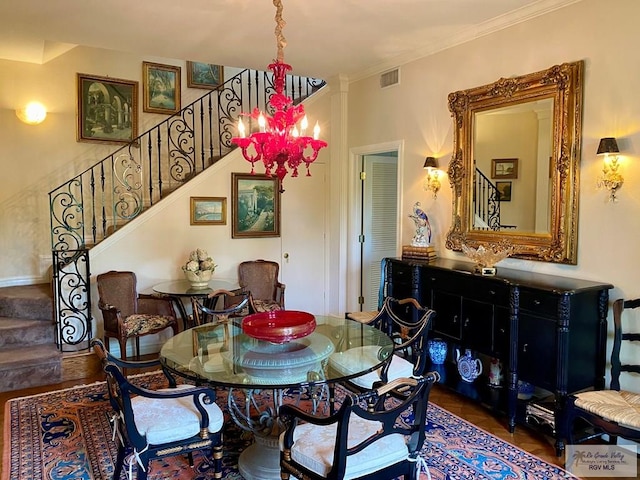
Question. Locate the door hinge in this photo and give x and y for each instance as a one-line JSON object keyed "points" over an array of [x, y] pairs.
{"points": [[363, 175], [361, 238], [360, 300]]}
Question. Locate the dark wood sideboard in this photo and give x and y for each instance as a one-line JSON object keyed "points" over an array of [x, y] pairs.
{"points": [[546, 330]]}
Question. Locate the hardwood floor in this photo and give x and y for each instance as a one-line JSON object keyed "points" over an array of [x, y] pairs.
{"points": [[535, 443]]}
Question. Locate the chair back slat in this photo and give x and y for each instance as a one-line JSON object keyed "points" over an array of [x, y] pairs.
{"points": [[620, 335]]}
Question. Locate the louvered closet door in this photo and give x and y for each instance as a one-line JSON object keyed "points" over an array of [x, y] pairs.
{"points": [[380, 220]]}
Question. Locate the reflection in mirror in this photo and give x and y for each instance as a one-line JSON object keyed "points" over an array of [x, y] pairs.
{"points": [[512, 150], [515, 166]]}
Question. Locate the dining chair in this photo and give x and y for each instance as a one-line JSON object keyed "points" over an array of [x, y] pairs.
{"points": [[368, 315], [614, 412], [410, 349], [152, 424], [372, 435], [260, 279], [209, 310], [127, 314]]}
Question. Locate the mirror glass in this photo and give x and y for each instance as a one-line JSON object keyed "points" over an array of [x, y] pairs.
{"points": [[515, 166]]}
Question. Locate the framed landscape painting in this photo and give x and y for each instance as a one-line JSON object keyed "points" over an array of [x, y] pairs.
{"points": [[504, 168], [161, 88], [208, 210], [255, 206], [107, 109], [504, 189], [204, 75]]}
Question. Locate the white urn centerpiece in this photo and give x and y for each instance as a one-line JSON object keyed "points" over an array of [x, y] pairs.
{"points": [[199, 268]]}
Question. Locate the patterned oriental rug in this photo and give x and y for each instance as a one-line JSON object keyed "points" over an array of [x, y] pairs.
{"points": [[66, 435]]}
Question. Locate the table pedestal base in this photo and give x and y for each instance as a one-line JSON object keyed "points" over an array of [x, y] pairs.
{"points": [[261, 460]]}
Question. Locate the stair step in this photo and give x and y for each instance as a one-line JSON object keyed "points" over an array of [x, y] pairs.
{"points": [[36, 365], [16, 332], [32, 302]]}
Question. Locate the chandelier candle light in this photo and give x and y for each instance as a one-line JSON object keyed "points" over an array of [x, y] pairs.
{"points": [[279, 143]]}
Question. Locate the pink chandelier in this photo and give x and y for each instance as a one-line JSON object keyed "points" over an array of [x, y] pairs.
{"points": [[279, 143]]}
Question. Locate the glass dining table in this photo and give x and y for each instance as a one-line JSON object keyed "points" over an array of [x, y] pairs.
{"points": [[177, 290], [224, 356]]}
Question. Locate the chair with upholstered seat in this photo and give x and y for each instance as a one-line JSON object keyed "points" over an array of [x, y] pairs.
{"points": [[152, 424], [127, 314], [410, 350], [368, 315], [260, 279], [614, 412], [379, 440]]}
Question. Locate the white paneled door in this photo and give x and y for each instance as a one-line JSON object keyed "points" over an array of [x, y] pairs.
{"points": [[303, 223]]}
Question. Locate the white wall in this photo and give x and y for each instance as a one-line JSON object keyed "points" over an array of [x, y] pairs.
{"points": [[416, 111]]}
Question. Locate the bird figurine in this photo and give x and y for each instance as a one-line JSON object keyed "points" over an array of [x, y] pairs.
{"points": [[422, 238]]}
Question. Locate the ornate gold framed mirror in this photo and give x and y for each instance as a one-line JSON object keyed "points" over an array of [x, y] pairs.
{"points": [[515, 165]]}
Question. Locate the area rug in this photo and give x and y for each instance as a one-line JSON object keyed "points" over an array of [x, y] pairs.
{"points": [[66, 435]]}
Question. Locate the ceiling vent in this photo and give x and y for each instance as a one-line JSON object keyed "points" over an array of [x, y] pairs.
{"points": [[390, 78]]}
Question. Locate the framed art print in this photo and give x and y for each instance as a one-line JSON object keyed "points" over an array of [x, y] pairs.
{"points": [[107, 109], [204, 75], [208, 210], [160, 88], [504, 189], [504, 168], [255, 206]]}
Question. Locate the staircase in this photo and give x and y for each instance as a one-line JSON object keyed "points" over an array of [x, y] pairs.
{"points": [[28, 353]]}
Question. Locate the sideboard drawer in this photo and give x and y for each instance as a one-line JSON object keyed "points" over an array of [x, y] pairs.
{"points": [[539, 303]]}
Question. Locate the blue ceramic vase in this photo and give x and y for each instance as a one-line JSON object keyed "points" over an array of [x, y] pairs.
{"points": [[437, 350]]}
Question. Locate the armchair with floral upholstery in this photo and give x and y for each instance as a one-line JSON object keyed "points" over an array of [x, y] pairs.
{"points": [[260, 279], [127, 314]]}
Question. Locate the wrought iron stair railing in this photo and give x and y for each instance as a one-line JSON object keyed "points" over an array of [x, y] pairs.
{"points": [[486, 203], [115, 190]]}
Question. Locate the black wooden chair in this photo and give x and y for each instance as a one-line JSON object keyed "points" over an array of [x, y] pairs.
{"points": [[379, 440], [613, 412], [219, 306], [152, 424], [410, 350]]}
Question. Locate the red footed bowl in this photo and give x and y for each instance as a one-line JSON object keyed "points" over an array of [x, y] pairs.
{"points": [[279, 326]]}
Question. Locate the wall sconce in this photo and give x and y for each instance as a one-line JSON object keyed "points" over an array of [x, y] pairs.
{"points": [[432, 180], [33, 114], [610, 179]]}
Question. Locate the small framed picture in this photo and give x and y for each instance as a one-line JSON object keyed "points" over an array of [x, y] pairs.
{"points": [[107, 109], [504, 168], [208, 210], [204, 75], [255, 206], [504, 190], [161, 88]]}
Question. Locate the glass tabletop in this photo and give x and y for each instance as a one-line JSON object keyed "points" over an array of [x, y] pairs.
{"points": [[182, 288], [223, 355]]}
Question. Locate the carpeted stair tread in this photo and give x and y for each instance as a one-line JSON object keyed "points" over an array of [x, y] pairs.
{"points": [[33, 302], [16, 332], [25, 367]]}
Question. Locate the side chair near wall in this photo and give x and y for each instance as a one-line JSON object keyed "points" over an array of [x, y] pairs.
{"points": [[379, 440], [127, 314], [260, 279], [614, 412], [159, 423], [410, 351]]}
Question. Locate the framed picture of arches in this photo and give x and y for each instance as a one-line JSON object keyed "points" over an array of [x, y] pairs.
{"points": [[255, 206], [107, 109]]}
